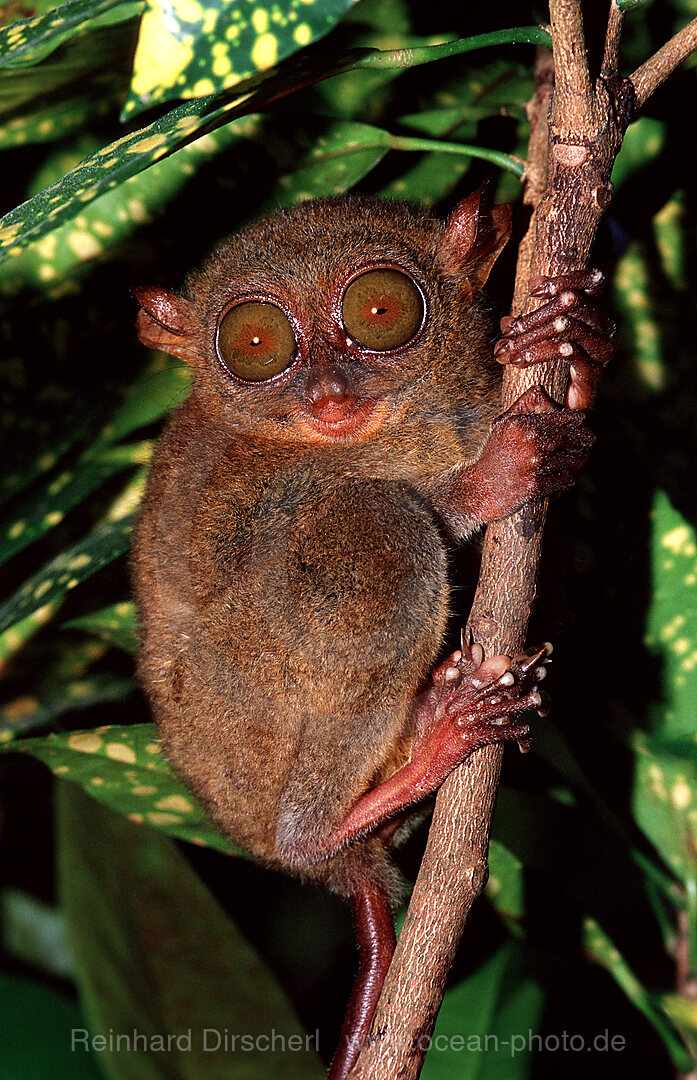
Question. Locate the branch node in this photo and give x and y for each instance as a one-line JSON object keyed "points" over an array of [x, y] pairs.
{"points": [[602, 196], [570, 154]]}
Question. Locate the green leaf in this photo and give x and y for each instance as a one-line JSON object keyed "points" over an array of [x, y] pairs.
{"points": [[29, 711], [389, 15], [665, 801], [36, 1026], [342, 153], [482, 1016], [137, 151], [643, 143], [100, 547], [156, 954], [30, 40], [43, 510], [163, 384], [115, 624], [604, 952], [505, 888], [186, 49], [429, 179], [503, 86], [671, 627], [339, 154], [124, 768], [681, 1010]]}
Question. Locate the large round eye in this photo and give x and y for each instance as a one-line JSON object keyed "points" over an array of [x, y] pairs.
{"points": [[256, 341], [382, 309]]}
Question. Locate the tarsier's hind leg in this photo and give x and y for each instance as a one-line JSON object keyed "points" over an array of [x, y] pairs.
{"points": [[472, 702]]}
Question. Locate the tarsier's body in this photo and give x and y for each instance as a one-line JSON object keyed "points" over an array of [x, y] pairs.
{"points": [[291, 560]]}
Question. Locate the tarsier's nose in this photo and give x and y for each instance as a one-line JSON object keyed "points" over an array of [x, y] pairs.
{"points": [[329, 394]]}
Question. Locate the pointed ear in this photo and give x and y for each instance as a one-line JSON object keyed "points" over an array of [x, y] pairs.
{"points": [[475, 235], [165, 321]]}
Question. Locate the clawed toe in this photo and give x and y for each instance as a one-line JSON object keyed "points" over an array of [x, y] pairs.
{"points": [[495, 689], [569, 326]]}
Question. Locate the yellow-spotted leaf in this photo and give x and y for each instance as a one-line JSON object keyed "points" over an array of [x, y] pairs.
{"points": [[671, 630], [82, 81], [30, 40], [633, 289], [43, 510], [101, 226], [123, 767], [115, 625], [30, 711], [665, 787], [23, 465], [665, 802], [191, 48], [58, 577], [139, 150], [33, 123]]}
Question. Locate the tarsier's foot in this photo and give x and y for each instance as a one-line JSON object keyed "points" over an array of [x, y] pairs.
{"points": [[569, 327], [478, 701]]}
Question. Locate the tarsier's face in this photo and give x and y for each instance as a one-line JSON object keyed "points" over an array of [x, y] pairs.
{"points": [[369, 319], [333, 321]]}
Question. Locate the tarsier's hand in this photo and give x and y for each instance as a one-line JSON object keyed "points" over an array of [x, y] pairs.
{"points": [[534, 448], [569, 327]]}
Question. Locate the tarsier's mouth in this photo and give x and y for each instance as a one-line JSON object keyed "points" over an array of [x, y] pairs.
{"points": [[360, 419]]}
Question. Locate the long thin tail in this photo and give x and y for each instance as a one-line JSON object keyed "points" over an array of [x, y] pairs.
{"points": [[376, 941]]}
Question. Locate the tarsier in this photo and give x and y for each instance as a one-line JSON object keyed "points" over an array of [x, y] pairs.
{"points": [[342, 435]]}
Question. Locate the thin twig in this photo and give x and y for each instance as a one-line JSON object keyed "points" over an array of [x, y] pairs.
{"points": [[612, 39], [655, 71]]}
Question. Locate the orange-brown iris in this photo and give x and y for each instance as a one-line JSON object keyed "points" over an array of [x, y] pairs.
{"points": [[382, 309], [256, 341]]}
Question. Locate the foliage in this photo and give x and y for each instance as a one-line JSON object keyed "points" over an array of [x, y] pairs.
{"points": [[140, 132]]}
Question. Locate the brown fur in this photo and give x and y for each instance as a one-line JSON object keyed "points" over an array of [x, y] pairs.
{"points": [[293, 591]]}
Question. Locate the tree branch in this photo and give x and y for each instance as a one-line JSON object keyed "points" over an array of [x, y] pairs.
{"points": [[585, 130], [572, 93], [454, 867], [655, 71]]}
